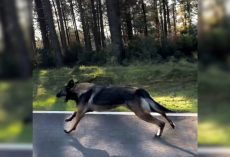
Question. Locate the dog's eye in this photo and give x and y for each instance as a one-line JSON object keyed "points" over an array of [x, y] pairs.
{"points": [[67, 88]]}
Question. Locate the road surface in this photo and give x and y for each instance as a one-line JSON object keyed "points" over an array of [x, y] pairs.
{"points": [[214, 151], [16, 153], [112, 136]]}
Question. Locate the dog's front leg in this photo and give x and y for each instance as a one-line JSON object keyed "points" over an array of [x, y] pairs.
{"points": [[71, 117], [80, 114]]}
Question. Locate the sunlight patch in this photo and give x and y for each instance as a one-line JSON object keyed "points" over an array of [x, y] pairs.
{"points": [[47, 103], [43, 73], [41, 91], [11, 131], [211, 133]]}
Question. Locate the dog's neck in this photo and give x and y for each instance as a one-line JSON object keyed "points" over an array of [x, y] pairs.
{"points": [[81, 88]]}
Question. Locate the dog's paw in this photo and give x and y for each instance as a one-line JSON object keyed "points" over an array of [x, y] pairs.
{"points": [[67, 131], [67, 120], [158, 134], [173, 125]]}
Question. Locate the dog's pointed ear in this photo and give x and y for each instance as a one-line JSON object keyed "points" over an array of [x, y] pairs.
{"points": [[70, 83]]}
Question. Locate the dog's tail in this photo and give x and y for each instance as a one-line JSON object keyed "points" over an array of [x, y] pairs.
{"points": [[154, 106]]}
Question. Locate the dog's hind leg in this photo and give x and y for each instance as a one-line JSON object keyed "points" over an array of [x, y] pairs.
{"points": [[71, 117], [159, 109], [149, 118], [167, 118], [139, 112]]}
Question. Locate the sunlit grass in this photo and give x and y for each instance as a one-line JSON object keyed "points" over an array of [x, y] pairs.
{"points": [[214, 124], [48, 102], [121, 109], [178, 103], [2, 116], [10, 131], [16, 132], [4, 86], [25, 135], [211, 133], [172, 84], [52, 103], [41, 91], [15, 105], [43, 73]]}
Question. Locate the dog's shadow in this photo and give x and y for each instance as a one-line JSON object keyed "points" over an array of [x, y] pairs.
{"points": [[164, 142], [88, 152]]}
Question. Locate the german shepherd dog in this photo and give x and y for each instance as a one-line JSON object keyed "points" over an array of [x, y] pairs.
{"points": [[91, 97]]}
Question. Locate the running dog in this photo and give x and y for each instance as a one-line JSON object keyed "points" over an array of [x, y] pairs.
{"points": [[91, 97]]}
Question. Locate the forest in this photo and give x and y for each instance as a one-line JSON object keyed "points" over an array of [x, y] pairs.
{"points": [[98, 32], [54, 33]]}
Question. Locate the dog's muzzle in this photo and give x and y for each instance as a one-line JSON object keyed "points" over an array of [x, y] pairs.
{"points": [[61, 94], [58, 95]]}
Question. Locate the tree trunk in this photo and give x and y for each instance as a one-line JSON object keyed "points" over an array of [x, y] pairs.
{"points": [[168, 17], [15, 44], [101, 24], [128, 21], [42, 24], [156, 19], [31, 26], [85, 27], [66, 29], [62, 32], [113, 11], [58, 19], [162, 23], [52, 33], [74, 22], [185, 13], [189, 13], [98, 23], [33, 42], [174, 17], [96, 33], [143, 7], [33, 46], [165, 18]]}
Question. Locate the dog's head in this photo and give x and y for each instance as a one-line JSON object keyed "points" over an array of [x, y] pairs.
{"points": [[67, 91]]}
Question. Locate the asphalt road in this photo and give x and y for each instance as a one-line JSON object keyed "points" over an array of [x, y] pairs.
{"points": [[112, 136], [214, 151], [16, 153], [213, 155]]}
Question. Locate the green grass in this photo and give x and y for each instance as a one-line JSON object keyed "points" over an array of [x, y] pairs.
{"points": [[172, 84], [15, 104], [16, 132], [214, 124]]}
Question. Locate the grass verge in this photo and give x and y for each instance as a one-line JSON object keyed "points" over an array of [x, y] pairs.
{"points": [[174, 85], [214, 125]]}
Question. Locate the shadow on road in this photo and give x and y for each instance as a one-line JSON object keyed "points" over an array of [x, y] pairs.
{"points": [[111, 136], [163, 141], [87, 152]]}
